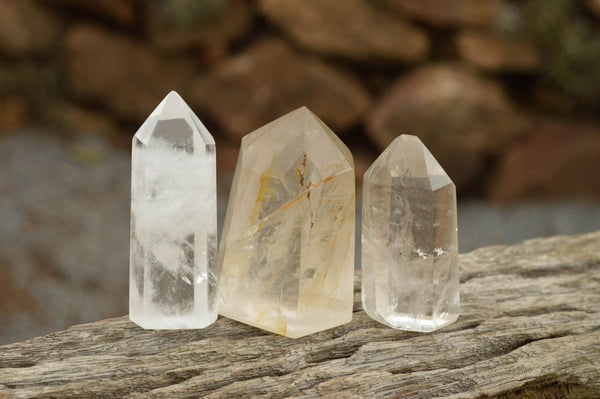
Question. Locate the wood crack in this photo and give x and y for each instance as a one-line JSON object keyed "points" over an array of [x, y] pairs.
{"points": [[543, 270]]}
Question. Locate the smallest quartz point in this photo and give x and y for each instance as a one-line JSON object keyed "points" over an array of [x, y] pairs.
{"points": [[409, 239]]}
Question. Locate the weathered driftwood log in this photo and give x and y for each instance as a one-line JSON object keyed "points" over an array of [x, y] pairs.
{"points": [[529, 325]]}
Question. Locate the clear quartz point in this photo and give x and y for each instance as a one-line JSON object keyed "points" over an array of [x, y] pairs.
{"points": [[409, 239], [286, 257], [173, 220]]}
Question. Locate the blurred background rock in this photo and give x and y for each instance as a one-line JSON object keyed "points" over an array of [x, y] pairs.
{"points": [[505, 94]]}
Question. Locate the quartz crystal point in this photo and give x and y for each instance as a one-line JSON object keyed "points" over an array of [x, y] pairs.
{"points": [[286, 257], [409, 239], [173, 220]]}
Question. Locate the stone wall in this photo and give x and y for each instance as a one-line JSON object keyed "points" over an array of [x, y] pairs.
{"points": [[504, 93]]}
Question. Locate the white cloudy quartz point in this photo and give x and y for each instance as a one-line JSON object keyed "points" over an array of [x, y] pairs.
{"points": [[409, 239], [173, 220]]}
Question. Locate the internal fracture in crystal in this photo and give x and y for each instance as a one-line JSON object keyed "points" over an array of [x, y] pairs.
{"points": [[409, 239], [173, 220], [286, 257]]}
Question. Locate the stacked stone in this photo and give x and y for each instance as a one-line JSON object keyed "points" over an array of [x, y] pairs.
{"points": [[458, 74]]}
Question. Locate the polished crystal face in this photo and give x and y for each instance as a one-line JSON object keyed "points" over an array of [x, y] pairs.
{"points": [[286, 258], [173, 220], [409, 239]]}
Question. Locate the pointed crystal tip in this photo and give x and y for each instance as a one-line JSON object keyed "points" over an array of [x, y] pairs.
{"points": [[183, 124], [171, 106], [407, 157], [302, 130]]}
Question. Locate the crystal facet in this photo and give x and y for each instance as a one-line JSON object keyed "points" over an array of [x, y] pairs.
{"points": [[409, 239], [173, 220], [286, 257]]}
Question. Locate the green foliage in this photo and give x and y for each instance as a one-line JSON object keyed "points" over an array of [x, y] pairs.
{"points": [[86, 155], [183, 14], [571, 47]]}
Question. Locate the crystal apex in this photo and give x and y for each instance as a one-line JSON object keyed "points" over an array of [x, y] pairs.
{"points": [[299, 123], [407, 157], [170, 108]]}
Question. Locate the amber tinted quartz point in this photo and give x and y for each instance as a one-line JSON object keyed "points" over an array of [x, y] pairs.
{"points": [[286, 257]]}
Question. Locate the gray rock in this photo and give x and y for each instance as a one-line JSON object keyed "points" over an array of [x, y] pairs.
{"points": [[64, 207]]}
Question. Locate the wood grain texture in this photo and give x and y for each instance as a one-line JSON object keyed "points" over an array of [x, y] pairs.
{"points": [[529, 326]]}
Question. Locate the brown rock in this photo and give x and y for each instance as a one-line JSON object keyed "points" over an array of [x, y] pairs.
{"points": [[269, 80], [15, 113], [14, 110], [352, 28], [497, 54], [14, 298], [363, 159], [459, 116], [449, 12], [595, 7], [558, 159], [27, 30], [118, 73], [552, 100], [121, 11], [211, 28], [227, 155]]}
